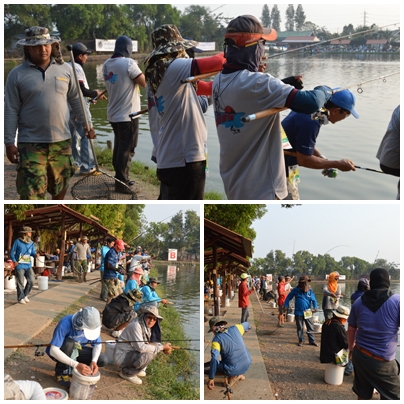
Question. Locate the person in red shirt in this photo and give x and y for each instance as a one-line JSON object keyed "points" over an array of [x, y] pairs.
{"points": [[281, 301], [243, 299]]}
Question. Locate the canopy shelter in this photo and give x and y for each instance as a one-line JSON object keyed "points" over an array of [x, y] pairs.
{"points": [[226, 254], [66, 222]]}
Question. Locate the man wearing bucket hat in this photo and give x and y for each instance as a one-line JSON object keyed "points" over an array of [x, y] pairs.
{"points": [[143, 336], [112, 269], [229, 345], [118, 313], [305, 305], [68, 346], [373, 327], [21, 252], [123, 78], [181, 143], [243, 297], [302, 131], [37, 97], [83, 254], [83, 157], [251, 155], [150, 296]]}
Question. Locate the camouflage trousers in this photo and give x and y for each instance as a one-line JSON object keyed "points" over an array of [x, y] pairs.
{"points": [[44, 167], [114, 287]]}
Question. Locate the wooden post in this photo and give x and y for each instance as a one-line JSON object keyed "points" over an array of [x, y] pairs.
{"points": [[62, 249]]}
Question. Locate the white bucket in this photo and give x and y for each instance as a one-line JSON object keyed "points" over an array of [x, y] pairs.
{"points": [[334, 374], [315, 319], [272, 305], [109, 350], [42, 282], [53, 393], [227, 302], [82, 387], [10, 283], [40, 261], [317, 327], [290, 318]]}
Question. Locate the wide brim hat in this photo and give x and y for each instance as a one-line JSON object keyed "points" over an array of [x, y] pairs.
{"points": [[216, 320], [167, 39], [37, 36], [150, 309], [135, 295], [153, 280], [26, 229], [244, 275], [342, 312]]}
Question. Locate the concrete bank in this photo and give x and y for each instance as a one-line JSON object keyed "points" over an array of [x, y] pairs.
{"points": [[256, 385]]}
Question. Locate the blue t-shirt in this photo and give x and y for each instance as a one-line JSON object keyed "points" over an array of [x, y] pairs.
{"points": [[356, 295], [104, 251], [302, 132], [64, 330]]}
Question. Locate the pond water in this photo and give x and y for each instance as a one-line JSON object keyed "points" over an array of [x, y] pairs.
{"points": [[355, 139], [180, 285]]}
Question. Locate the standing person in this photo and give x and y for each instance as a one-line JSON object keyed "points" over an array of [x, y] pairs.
{"points": [[305, 305], [281, 301], [363, 286], [243, 297], [37, 97], [263, 286], [302, 131], [83, 157], [181, 143], [251, 154], [21, 252], [68, 346], [389, 149], [112, 269], [144, 343], [229, 345], [109, 243], [332, 294], [83, 254], [70, 256], [373, 337], [123, 78]]}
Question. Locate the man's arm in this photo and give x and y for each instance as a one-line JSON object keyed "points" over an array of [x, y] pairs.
{"points": [[351, 338], [316, 163]]}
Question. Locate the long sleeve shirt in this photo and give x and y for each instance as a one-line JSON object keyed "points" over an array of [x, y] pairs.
{"points": [[21, 254], [303, 300], [243, 295]]}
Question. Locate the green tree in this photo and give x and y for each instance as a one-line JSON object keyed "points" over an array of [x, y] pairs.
{"points": [[265, 17], [18, 210], [192, 233], [300, 18], [115, 23], [276, 18], [290, 18], [237, 218]]}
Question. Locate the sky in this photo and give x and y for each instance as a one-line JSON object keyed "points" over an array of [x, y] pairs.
{"points": [[160, 211], [331, 16], [362, 230]]}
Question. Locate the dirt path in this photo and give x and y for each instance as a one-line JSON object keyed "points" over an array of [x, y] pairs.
{"points": [[144, 190], [295, 373]]}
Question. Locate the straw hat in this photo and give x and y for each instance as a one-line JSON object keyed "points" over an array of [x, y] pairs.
{"points": [[342, 312]]}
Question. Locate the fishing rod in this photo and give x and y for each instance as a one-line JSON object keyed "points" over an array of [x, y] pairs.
{"points": [[192, 79], [92, 100], [137, 113], [330, 40], [141, 234]]}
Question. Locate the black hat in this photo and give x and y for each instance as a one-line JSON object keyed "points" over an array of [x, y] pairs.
{"points": [[81, 49], [379, 278]]}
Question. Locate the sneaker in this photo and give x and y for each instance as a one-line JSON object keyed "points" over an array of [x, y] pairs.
{"points": [[133, 379], [92, 170], [300, 343], [313, 343], [123, 190], [22, 301], [26, 299], [116, 334], [142, 373], [63, 380]]}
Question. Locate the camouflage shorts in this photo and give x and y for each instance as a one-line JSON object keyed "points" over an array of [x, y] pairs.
{"points": [[114, 287], [44, 167]]}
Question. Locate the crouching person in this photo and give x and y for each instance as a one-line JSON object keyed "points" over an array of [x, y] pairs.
{"points": [[144, 343], [68, 349], [118, 313]]}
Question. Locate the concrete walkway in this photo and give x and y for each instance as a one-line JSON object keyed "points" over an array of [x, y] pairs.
{"points": [[256, 385], [22, 322]]}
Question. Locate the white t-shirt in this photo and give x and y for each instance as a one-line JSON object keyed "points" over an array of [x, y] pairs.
{"points": [[123, 92], [251, 156], [81, 76], [183, 134]]}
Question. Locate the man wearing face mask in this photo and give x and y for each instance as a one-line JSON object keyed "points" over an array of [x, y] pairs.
{"points": [[122, 78], [68, 346], [229, 345], [251, 154]]}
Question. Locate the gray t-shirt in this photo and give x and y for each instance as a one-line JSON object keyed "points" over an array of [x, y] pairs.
{"points": [[251, 156]]}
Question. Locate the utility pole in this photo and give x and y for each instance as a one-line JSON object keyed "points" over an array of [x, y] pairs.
{"points": [[364, 18]]}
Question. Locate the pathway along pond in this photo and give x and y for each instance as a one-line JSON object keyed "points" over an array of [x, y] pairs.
{"points": [[180, 285]]}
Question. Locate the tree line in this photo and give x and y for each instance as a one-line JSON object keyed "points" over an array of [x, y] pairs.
{"points": [[305, 263], [128, 222], [86, 22]]}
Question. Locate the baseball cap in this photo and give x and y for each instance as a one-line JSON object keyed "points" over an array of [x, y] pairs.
{"points": [[345, 100], [216, 320], [120, 244], [245, 30], [243, 275], [81, 49], [88, 319]]}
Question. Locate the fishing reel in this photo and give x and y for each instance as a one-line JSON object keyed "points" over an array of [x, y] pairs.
{"points": [[330, 172], [38, 352]]}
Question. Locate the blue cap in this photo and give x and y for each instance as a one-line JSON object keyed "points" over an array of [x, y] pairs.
{"points": [[345, 100]]}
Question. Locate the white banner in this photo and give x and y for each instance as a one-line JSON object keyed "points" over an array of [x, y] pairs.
{"points": [[172, 255], [207, 46], [108, 45]]}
